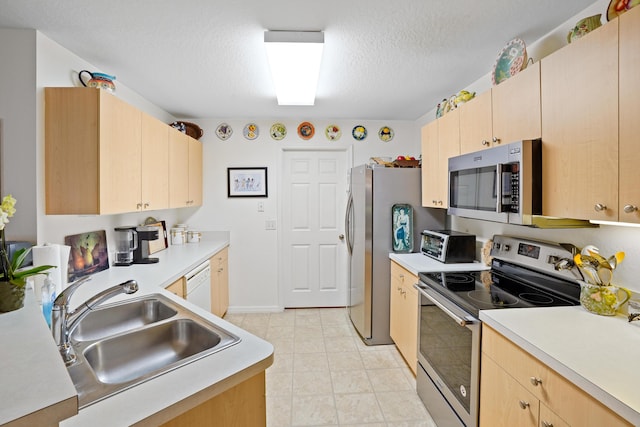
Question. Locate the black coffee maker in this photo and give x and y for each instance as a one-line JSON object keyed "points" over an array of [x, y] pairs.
{"points": [[132, 246]]}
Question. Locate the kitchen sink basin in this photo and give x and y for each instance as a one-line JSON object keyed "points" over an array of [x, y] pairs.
{"points": [[133, 355], [122, 345], [114, 319]]}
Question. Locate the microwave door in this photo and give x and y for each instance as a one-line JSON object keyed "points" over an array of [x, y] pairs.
{"points": [[478, 192]]}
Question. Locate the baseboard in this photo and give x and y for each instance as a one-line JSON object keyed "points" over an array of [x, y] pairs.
{"points": [[239, 309]]}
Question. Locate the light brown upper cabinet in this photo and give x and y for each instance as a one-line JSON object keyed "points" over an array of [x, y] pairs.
{"points": [[440, 140], [580, 127], [154, 164], [185, 170], [629, 191], [92, 152], [506, 113]]}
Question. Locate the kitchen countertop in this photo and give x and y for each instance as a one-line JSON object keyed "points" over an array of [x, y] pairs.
{"points": [[34, 376], [599, 354], [420, 263]]}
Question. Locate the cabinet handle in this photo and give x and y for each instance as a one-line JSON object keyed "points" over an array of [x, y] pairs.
{"points": [[546, 424], [523, 404], [496, 140], [630, 208], [146, 205], [599, 207], [435, 202], [440, 202], [535, 381], [399, 289], [220, 270], [485, 142], [138, 206]]}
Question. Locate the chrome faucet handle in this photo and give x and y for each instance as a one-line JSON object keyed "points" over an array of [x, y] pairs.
{"points": [[65, 296]]}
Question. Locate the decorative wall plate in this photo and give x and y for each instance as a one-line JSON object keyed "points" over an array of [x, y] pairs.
{"points": [[359, 132], [333, 132], [251, 131], [224, 131], [385, 134], [618, 7], [278, 131], [306, 130], [511, 59]]}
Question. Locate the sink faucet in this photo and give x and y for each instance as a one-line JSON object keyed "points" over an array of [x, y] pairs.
{"points": [[64, 321]]}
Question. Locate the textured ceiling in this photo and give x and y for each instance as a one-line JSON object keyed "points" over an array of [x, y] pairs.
{"points": [[383, 59]]}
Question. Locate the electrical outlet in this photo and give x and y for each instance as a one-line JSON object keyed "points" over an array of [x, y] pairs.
{"points": [[270, 224], [260, 206]]}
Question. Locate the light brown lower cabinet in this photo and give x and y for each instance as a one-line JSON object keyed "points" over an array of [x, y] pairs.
{"points": [[403, 312], [220, 282], [177, 287], [241, 406], [516, 389]]}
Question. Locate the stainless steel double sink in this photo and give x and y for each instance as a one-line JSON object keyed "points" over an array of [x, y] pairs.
{"points": [[124, 344]]}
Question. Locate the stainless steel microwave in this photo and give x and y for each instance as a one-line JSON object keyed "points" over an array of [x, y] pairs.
{"points": [[502, 184]]}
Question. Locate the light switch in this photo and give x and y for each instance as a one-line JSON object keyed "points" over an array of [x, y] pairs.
{"points": [[260, 206]]}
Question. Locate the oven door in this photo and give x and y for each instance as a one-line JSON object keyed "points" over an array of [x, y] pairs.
{"points": [[449, 353]]}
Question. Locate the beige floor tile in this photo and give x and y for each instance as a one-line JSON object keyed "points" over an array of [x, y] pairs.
{"points": [[308, 331], [310, 362], [311, 383], [279, 331], [313, 410], [279, 383], [286, 318], [337, 330], [278, 411], [358, 408], [419, 423], [345, 361], [402, 406], [378, 359], [282, 345], [308, 345], [340, 344], [351, 381], [282, 362], [391, 379]]}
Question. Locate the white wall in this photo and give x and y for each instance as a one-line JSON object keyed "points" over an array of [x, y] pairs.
{"points": [[254, 251]]}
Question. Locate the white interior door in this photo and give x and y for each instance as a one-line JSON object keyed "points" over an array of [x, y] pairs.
{"points": [[314, 254]]}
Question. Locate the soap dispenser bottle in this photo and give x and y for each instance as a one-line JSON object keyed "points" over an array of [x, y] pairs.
{"points": [[48, 296]]}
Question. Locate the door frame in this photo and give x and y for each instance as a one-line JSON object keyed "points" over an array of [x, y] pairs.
{"points": [[348, 152]]}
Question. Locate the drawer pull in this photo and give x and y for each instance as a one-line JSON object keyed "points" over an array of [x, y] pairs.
{"points": [[523, 404], [536, 381], [546, 424]]}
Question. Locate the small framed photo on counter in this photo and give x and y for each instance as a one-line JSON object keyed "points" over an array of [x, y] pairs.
{"points": [[247, 182]]}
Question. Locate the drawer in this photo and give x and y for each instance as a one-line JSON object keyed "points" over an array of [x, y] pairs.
{"points": [[405, 277]]}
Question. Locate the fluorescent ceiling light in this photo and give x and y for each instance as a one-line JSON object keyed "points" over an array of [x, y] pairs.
{"points": [[294, 59]]}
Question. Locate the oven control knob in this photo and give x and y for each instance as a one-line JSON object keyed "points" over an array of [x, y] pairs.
{"points": [[506, 247]]}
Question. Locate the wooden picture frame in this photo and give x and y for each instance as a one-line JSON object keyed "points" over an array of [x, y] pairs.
{"points": [[247, 182]]}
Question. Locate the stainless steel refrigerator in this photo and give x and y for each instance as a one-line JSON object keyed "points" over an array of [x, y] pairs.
{"points": [[368, 222]]}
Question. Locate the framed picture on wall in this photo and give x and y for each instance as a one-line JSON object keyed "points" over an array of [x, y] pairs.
{"points": [[247, 182]]}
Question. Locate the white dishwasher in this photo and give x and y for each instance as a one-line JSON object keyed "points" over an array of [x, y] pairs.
{"points": [[199, 286]]}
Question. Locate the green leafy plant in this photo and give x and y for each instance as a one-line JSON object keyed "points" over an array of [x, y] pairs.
{"points": [[10, 271]]}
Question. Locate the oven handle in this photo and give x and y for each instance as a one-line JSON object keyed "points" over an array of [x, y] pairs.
{"points": [[460, 320]]}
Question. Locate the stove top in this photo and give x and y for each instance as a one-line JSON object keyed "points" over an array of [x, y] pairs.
{"points": [[507, 285]]}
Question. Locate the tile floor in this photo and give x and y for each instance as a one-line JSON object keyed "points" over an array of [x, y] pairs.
{"points": [[324, 375]]}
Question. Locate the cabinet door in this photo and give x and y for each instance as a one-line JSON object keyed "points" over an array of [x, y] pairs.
{"points": [[548, 418], [503, 401], [177, 287], [220, 282], [195, 172], [430, 168], [580, 127], [403, 314], [448, 146], [178, 169], [516, 106], [120, 156], [154, 164], [476, 130], [629, 191]]}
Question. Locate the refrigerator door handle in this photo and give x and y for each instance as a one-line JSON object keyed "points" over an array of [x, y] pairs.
{"points": [[348, 218]]}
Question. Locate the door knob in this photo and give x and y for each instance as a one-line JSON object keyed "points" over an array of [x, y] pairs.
{"points": [[341, 237]]}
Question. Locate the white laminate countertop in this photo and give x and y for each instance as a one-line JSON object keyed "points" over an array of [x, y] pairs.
{"points": [[599, 354], [39, 379], [420, 263]]}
